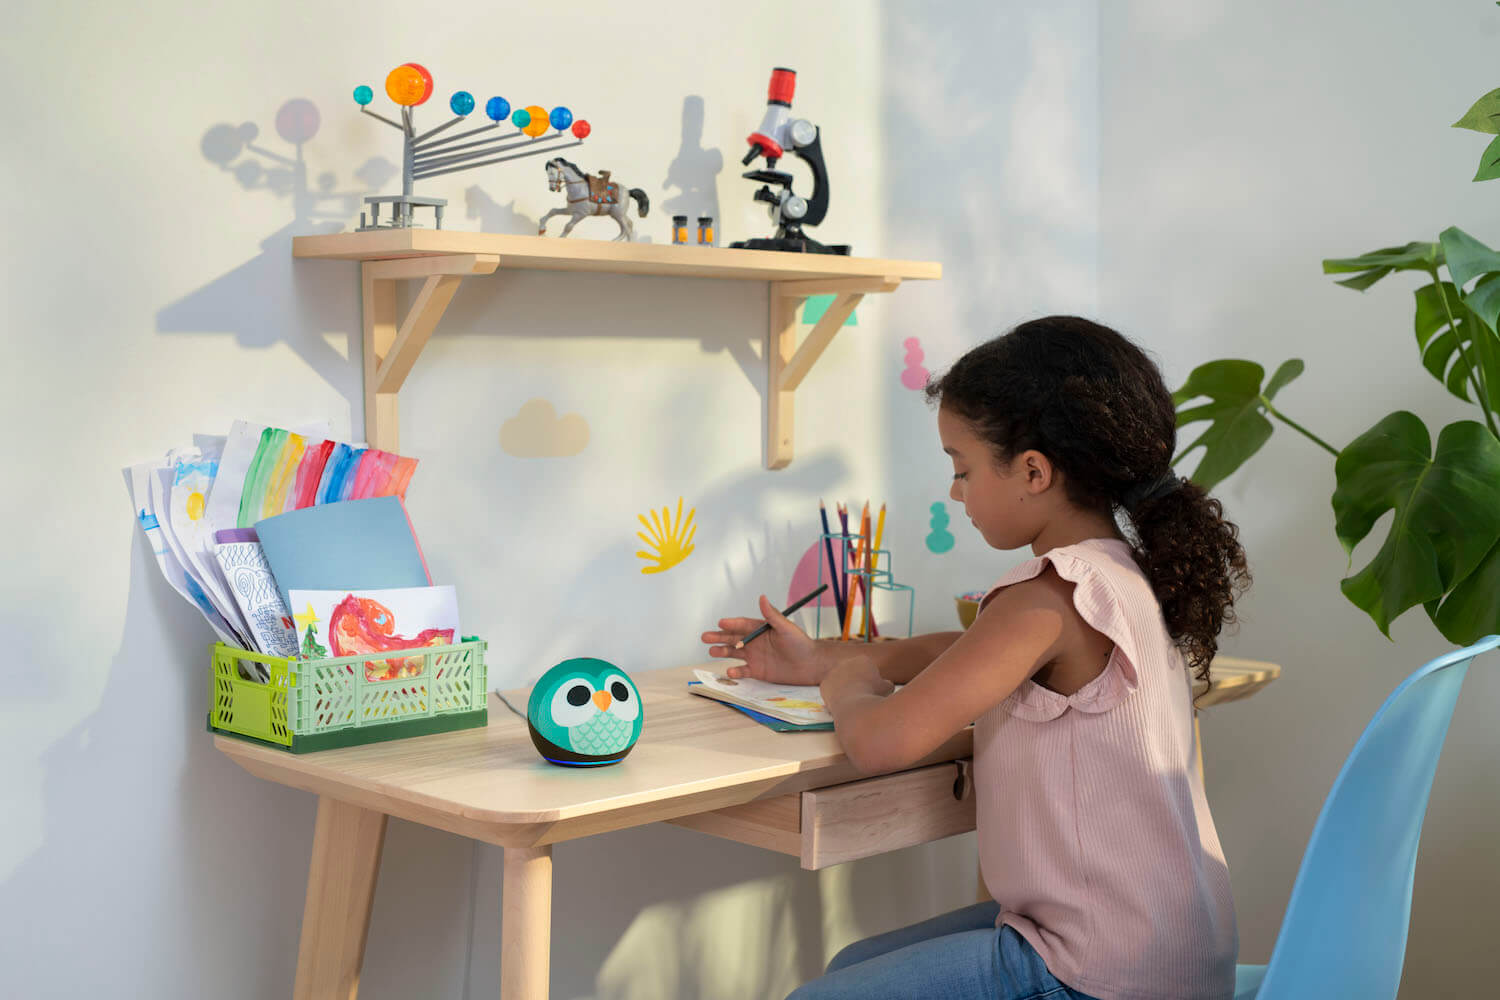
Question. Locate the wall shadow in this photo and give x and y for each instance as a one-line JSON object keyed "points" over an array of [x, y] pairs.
{"points": [[170, 843], [268, 300], [694, 171]]}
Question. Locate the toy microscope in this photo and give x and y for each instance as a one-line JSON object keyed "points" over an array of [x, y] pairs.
{"points": [[779, 132]]}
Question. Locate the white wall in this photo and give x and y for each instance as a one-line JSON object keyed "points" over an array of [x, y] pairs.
{"points": [[1240, 145], [150, 293], [1175, 169]]}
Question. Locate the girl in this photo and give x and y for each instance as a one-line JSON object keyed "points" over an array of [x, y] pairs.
{"points": [[1095, 838]]}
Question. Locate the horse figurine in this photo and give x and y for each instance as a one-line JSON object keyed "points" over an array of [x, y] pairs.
{"points": [[590, 194]]}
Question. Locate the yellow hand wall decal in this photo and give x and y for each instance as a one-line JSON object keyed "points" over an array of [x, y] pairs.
{"points": [[672, 540]]}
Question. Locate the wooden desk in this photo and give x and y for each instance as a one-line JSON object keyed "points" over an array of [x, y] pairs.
{"points": [[699, 764]]}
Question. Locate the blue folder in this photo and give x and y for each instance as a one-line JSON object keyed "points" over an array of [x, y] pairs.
{"points": [[351, 544]]}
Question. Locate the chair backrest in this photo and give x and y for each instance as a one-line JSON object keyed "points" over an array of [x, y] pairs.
{"points": [[1344, 933]]}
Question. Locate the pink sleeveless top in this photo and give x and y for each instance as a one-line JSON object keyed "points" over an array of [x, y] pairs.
{"points": [[1094, 832]]}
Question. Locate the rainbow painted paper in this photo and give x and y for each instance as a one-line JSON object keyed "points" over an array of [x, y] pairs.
{"points": [[290, 472]]}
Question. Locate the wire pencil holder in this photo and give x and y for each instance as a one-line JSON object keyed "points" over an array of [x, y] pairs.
{"points": [[880, 577]]}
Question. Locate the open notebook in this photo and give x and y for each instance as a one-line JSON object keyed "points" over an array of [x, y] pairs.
{"points": [[783, 707]]}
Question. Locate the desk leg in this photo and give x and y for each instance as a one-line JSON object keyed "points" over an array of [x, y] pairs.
{"points": [[526, 923], [1198, 743], [340, 892]]}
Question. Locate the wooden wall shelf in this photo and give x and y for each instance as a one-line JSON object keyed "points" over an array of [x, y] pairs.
{"points": [[443, 258]]}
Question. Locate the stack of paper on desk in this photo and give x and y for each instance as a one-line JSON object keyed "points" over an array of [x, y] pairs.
{"points": [[800, 706]]}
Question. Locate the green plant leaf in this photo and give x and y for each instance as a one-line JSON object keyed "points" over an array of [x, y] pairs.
{"points": [[1484, 116], [1238, 426], [1288, 371], [1448, 350], [1483, 300], [1471, 610], [1467, 258], [1489, 162], [1378, 263], [1445, 505]]}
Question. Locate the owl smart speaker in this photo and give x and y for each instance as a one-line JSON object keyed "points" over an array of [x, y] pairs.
{"points": [[585, 712]]}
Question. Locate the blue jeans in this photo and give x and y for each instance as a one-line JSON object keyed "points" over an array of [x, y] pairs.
{"points": [[956, 956]]}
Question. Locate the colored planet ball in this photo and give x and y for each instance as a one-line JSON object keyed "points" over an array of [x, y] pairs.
{"points": [[297, 120], [585, 712], [426, 91], [520, 118], [561, 118], [538, 123], [409, 84], [581, 129], [462, 102], [498, 108], [363, 95]]}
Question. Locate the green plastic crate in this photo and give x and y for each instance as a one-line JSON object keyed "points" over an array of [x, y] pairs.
{"points": [[320, 704]]}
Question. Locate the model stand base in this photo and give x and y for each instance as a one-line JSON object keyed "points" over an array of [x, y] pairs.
{"points": [[401, 211], [791, 244]]}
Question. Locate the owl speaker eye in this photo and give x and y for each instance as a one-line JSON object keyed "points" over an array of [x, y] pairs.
{"points": [[623, 701], [573, 703]]}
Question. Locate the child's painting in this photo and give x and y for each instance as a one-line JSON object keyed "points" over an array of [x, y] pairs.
{"points": [[351, 622]]}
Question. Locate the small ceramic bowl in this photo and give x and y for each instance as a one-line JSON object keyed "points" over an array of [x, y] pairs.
{"points": [[968, 606]]}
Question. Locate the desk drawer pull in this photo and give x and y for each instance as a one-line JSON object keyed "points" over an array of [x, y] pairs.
{"points": [[963, 784]]}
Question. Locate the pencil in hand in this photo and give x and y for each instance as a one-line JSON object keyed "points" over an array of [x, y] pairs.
{"points": [[793, 607]]}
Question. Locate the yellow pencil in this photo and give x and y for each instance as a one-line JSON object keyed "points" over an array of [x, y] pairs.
{"points": [[851, 585]]}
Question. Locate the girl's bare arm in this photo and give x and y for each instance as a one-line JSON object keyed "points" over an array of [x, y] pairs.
{"points": [[899, 660]]}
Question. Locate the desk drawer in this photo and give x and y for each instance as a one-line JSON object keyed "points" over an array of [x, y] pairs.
{"points": [[859, 819], [864, 818]]}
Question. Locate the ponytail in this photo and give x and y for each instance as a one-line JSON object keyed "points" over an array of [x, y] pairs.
{"points": [[1194, 562]]}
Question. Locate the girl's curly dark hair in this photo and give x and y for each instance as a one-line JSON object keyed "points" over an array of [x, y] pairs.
{"points": [[1096, 406]]}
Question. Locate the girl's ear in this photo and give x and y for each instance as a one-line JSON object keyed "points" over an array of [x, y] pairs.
{"points": [[1038, 470]]}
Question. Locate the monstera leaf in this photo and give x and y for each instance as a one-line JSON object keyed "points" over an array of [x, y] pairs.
{"points": [[1445, 524], [1469, 259], [1236, 411], [1454, 342], [1378, 263], [1471, 610], [1484, 116]]}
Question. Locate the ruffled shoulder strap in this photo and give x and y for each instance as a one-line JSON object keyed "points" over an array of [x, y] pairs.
{"points": [[1095, 569]]}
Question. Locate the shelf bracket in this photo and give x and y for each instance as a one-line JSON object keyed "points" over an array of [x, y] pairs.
{"points": [[789, 363], [390, 349]]}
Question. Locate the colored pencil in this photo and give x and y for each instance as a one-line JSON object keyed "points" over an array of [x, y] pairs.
{"points": [[765, 626], [852, 588], [879, 534], [833, 570], [844, 550], [864, 577]]}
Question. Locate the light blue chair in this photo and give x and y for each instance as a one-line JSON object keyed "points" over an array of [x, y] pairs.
{"points": [[1344, 933]]}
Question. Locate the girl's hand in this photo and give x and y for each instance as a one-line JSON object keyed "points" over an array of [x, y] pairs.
{"points": [[854, 676], [782, 655]]}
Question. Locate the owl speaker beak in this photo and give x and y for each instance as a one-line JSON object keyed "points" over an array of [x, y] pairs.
{"points": [[602, 700]]}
